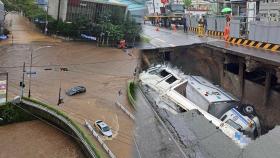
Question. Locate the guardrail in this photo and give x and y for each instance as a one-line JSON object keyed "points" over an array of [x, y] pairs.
{"points": [[99, 139], [46, 109], [125, 110]]}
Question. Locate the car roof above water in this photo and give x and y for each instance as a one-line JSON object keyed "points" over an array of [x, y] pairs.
{"points": [[209, 91], [102, 124]]}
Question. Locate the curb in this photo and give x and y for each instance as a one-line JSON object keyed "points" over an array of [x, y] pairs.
{"points": [[218, 34]]}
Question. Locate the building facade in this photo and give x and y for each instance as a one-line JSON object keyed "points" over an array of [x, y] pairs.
{"points": [[269, 10], [136, 8], [153, 6], [71, 10], [2, 17]]}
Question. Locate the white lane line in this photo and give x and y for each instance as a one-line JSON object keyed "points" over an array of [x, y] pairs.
{"points": [[160, 40]]}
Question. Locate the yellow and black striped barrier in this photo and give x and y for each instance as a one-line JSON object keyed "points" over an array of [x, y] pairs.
{"points": [[193, 29], [255, 44], [215, 34], [240, 41]]}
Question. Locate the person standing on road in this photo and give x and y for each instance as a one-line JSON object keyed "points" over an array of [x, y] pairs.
{"points": [[205, 24], [185, 24]]}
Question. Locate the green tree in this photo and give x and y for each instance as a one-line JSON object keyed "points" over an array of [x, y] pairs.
{"points": [[187, 3]]}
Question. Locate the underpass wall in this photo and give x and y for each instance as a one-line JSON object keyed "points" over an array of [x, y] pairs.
{"points": [[57, 122]]}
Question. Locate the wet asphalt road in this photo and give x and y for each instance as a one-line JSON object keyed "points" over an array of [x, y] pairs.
{"points": [[168, 38], [152, 139]]}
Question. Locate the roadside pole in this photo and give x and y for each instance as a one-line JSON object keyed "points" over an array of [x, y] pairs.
{"points": [[22, 82], [7, 86], [30, 75], [59, 94]]}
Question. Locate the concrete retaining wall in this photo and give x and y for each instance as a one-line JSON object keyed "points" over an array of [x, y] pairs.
{"points": [[60, 122]]}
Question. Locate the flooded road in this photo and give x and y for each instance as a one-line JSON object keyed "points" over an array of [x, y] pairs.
{"points": [[25, 140], [103, 71]]}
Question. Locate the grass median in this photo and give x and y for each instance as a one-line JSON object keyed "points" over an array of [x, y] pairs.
{"points": [[131, 93]]}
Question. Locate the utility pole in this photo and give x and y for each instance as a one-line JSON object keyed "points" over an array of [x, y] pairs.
{"points": [[59, 94], [58, 10], [46, 22], [30, 67], [154, 6], [22, 85]]}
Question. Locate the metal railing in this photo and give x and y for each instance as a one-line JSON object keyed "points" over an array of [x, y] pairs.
{"points": [[99, 139], [87, 146]]}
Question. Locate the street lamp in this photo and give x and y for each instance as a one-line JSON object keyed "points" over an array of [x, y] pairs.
{"points": [[30, 67]]}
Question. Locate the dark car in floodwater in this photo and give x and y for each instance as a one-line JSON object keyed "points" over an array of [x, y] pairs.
{"points": [[76, 90]]}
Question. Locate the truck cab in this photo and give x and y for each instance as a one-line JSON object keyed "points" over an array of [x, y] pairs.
{"points": [[175, 12], [223, 106]]}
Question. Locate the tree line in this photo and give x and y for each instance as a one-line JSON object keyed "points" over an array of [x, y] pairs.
{"points": [[109, 26]]}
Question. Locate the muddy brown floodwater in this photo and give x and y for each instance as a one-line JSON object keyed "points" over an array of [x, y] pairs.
{"points": [[19, 140], [103, 71]]}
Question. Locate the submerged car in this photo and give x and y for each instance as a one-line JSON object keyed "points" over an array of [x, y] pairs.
{"points": [[103, 128], [76, 90]]}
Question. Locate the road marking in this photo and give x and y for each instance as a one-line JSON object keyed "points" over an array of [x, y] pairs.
{"points": [[137, 148], [116, 122], [160, 40]]}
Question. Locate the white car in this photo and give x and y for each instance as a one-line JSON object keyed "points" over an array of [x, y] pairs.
{"points": [[103, 128]]}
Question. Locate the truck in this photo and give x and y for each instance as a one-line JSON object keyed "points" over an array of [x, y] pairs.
{"points": [[170, 13], [195, 92], [221, 104]]}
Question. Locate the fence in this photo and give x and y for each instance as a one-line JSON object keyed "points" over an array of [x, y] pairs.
{"points": [[105, 147], [268, 32], [247, 28]]}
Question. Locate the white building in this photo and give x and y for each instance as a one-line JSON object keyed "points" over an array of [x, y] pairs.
{"points": [[153, 7], [269, 10], [2, 16]]}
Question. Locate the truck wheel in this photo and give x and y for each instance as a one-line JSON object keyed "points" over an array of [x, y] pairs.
{"points": [[248, 109]]}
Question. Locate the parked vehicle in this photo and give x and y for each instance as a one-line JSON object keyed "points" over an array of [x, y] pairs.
{"points": [[171, 13], [103, 128], [76, 90], [223, 106]]}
